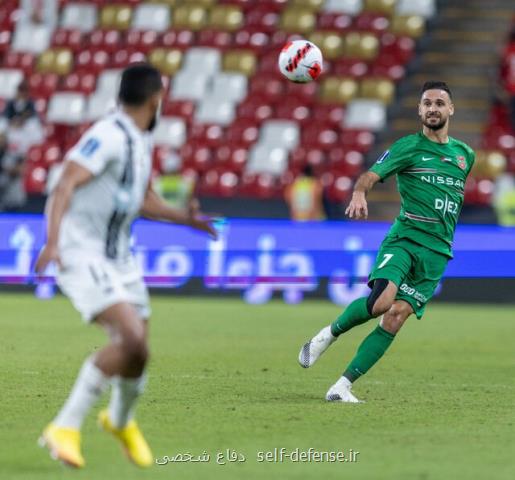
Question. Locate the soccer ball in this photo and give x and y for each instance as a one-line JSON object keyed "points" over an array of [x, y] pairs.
{"points": [[300, 61]]}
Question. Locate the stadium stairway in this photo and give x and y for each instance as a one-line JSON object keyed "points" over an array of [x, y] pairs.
{"points": [[462, 48]]}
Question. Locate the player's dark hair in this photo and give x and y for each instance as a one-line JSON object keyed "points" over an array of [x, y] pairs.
{"points": [[139, 82], [436, 85]]}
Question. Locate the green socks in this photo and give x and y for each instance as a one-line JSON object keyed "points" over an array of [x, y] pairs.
{"points": [[355, 314], [369, 352]]}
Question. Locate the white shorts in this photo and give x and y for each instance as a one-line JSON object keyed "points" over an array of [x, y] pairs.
{"points": [[94, 284]]}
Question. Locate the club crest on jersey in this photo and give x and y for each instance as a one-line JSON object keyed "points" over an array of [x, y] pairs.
{"points": [[461, 162], [383, 157]]}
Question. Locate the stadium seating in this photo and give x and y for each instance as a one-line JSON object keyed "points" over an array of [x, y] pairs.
{"points": [[228, 111]]}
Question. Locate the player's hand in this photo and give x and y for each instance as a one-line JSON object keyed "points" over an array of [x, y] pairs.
{"points": [[200, 221], [357, 207], [48, 254]]}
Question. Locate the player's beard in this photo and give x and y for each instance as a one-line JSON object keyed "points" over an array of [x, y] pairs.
{"points": [[155, 118], [434, 126]]}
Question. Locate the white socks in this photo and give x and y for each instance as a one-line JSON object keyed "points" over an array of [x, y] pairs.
{"points": [[123, 398], [88, 388]]}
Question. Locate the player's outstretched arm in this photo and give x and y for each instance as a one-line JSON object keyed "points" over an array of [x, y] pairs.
{"points": [[73, 176], [155, 208], [358, 207]]}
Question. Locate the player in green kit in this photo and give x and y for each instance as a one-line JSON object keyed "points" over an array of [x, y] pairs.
{"points": [[431, 169]]}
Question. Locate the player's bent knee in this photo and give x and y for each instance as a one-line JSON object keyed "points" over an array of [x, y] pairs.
{"points": [[135, 348], [394, 318], [382, 297]]}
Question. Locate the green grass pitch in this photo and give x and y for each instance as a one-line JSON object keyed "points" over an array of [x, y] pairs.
{"points": [[224, 375]]}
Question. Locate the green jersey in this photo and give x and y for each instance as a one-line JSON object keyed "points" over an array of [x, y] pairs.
{"points": [[431, 181]]}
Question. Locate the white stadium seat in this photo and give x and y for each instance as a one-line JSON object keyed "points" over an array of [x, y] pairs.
{"points": [[67, 108], [98, 105], [151, 17], [230, 86], [108, 82], [365, 114], [202, 60], [32, 38], [79, 16], [215, 110], [279, 133], [350, 7], [9, 81], [424, 8], [170, 131], [189, 86], [266, 159]]}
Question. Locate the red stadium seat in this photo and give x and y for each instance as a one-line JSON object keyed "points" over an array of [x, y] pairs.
{"points": [[42, 85], [82, 82], [214, 38], [340, 22], [346, 162], [303, 156], [178, 39], [255, 109], [211, 136], [123, 57], [371, 22], [228, 184], [243, 132], [142, 41], [19, 61], [268, 87], [232, 157], [360, 140], [328, 113], [179, 108], [294, 109], [5, 40], [339, 189], [196, 156], [252, 39], [108, 40], [35, 180], [264, 17], [350, 67], [93, 61], [321, 136], [44, 155], [71, 39]]}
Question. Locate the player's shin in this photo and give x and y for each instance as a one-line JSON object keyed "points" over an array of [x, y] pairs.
{"points": [[124, 395], [89, 386], [355, 314], [369, 352]]}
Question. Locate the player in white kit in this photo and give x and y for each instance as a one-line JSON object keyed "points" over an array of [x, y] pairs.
{"points": [[104, 186]]}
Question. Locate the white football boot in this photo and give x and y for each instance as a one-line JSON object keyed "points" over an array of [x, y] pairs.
{"points": [[341, 392], [311, 350]]}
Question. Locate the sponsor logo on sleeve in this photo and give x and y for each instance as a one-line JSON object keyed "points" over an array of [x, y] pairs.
{"points": [[383, 157], [90, 147]]}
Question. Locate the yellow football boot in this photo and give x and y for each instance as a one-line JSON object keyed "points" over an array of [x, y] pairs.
{"points": [[131, 438], [63, 445]]}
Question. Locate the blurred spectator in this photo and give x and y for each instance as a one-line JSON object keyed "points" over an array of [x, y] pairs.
{"points": [[39, 12], [20, 129], [175, 187], [35, 25], [508, 74], [305, 197], [504, 200]]}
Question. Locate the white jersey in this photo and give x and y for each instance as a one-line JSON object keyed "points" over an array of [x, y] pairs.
{"points": [[101, 212]]}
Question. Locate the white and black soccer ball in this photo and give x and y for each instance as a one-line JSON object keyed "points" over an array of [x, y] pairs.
{"points": [[301, 61]]}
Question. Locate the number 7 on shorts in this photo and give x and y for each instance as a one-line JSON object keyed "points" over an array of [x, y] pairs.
{"points": [[386, 259]]}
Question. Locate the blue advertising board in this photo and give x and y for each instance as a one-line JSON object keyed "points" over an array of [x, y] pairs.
{"points": [[260, 257]]}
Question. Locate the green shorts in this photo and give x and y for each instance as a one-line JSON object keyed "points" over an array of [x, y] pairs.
{"points": [[415, 269]]}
